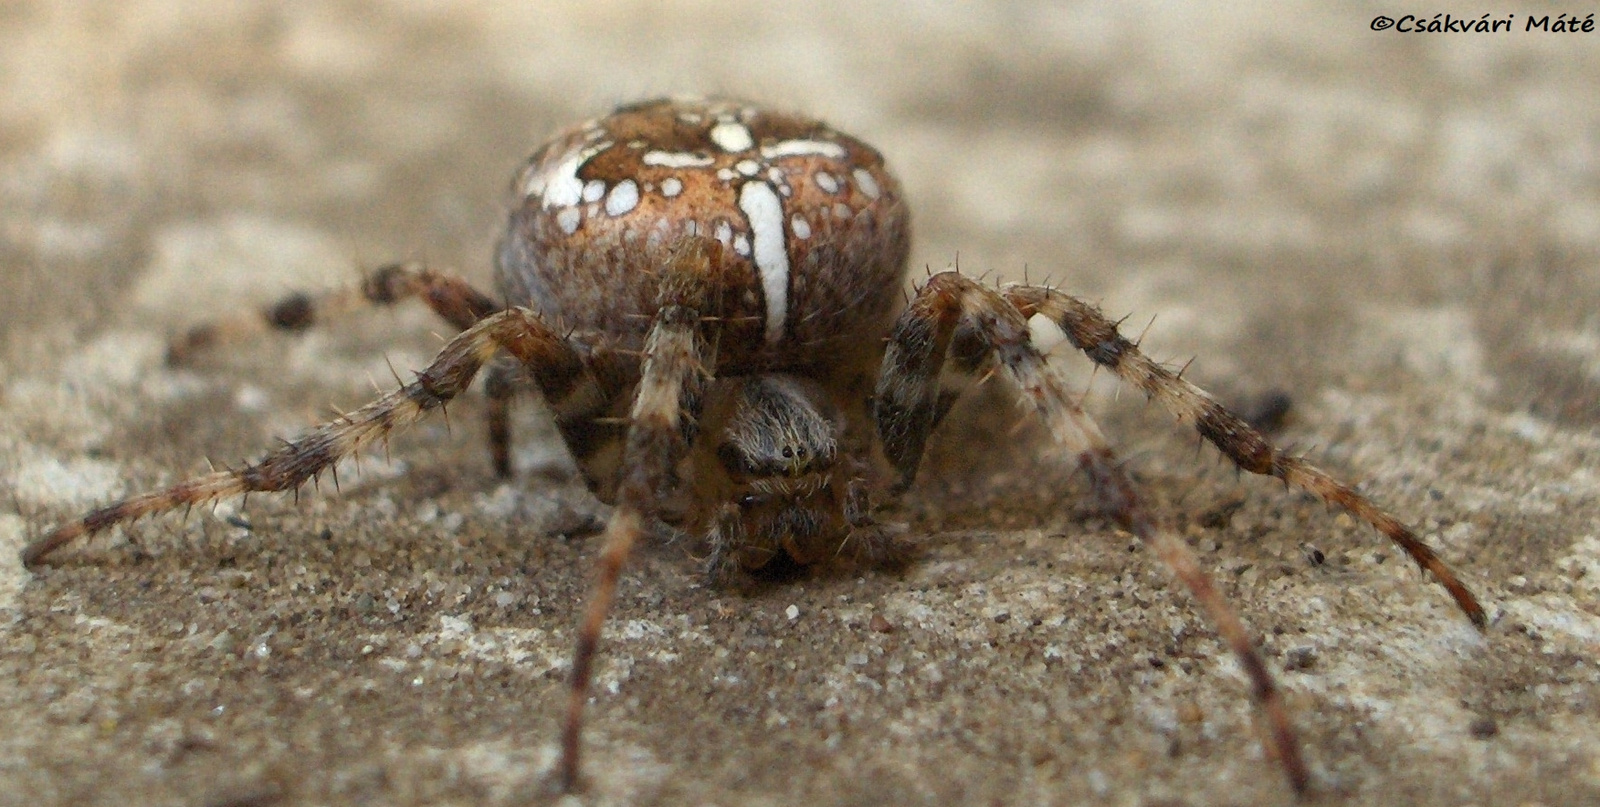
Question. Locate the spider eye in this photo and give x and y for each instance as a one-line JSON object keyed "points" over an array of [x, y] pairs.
{"points": [[748, 501]]}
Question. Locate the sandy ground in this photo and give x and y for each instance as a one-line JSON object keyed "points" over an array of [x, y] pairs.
{"points": [[1400, 231]]}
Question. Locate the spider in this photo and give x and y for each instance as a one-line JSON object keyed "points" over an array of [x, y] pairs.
{"points": [[708, 294]]}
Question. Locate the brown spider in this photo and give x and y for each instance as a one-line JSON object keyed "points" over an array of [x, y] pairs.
{"points": [[726, 279]]}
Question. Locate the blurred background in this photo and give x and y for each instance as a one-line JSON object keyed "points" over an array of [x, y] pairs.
{"points": [[1229, 169], [1398, 231]]}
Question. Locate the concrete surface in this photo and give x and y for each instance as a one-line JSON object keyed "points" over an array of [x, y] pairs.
{"points": [[1401, 231]]}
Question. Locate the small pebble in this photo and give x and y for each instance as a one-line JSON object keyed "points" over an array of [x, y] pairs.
{"points": [[1313, 555], [1483, 728], [1300, 658]]}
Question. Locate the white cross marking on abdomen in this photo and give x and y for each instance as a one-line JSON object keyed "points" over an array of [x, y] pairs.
{"points": [[770, 251]]}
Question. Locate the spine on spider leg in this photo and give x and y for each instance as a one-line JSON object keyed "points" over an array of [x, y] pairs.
{"points": [[1099, 339], [300, 461]]}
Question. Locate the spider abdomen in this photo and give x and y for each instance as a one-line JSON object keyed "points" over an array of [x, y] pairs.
{"points": [[812, 223]]}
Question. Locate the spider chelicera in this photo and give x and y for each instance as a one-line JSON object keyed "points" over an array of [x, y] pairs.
{"points": [[709, 296]]}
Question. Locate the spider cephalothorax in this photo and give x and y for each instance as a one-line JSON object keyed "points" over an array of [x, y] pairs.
{"points": [[705, 292]]}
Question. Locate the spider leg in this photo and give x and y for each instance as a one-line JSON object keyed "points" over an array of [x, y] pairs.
{"points": [[674, 376], [951, 317], [502, 383], [1097, 337], [593, 439], [451, 297], [578, 412], [555, 365]]}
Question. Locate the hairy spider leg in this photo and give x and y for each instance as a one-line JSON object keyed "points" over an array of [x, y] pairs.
{"points": [[953, 316], [558, 369], [1091, 332], [450, 296], [674, 376]]}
